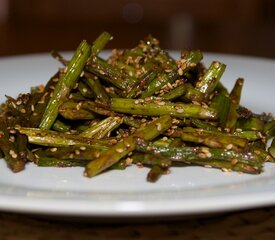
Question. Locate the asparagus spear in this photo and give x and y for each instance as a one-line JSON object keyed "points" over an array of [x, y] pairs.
{"points": [[211, 78], [158, 108], [60, 126], [103, 128], [111, 74], [94, 83], [86, 153], [58, 139], [235, 97], [269, 128], [176, 92], [212, 139], [56, 162], [65, 84], [127, 145], [74, 110], [12, 156], [221, 102], [252, 123], [214, 157], [100, 43], [190, 60], [155, 173]]}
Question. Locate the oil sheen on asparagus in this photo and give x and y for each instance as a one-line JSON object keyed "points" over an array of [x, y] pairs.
{"points": [[139, 106]]}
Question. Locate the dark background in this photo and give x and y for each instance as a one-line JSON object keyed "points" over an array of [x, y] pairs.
{"points": [[227, 26]]}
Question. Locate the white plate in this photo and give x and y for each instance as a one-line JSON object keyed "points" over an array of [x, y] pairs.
{"points": [[189, 190]]}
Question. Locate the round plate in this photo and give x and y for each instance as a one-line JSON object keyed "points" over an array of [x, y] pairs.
{"points": [[186, 191]]}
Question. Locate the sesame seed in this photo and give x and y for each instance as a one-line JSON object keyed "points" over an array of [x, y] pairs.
{"points": [[165, 139], [180, 71], [23, 110], [225, 170], [78, 106], [53, 149], [260, 134], [180, 110], [119, 150], [205, 149], [234, 161], [160, 103], [83, 148], [13, 154], [159, 127], [217, 65], [128, 161], [13, 104], [227, 130], [77, 152], [12, 131], [19, 102], [201, 155], [149, 148], [229, 146], [113, 141], [97, 154], [139, 164], [127, 144]]}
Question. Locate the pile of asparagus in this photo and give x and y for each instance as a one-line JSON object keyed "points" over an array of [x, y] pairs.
{"points": [[139, 106]]}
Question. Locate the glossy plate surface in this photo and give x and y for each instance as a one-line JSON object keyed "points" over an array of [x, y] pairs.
{"points": [[189, 190]]}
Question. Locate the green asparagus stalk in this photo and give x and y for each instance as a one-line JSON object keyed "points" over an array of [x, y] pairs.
{"points": [[155, 173], [60, 126], [235, 97], [85, 153], [269, 129], [103, 128], [190, 60], [176, 92], [94, 83], [111, 74], [213, 157], [12, 156], [65, 84], [159, 108], [253, 123], [58, 139], [151, 160], [210, 79], [100, 43], [221, 102], [74, 110], [56, 162], [213, 139], [127, 145]]}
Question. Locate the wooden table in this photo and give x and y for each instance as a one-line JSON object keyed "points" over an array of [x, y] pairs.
{"points": [[251, 224]]}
